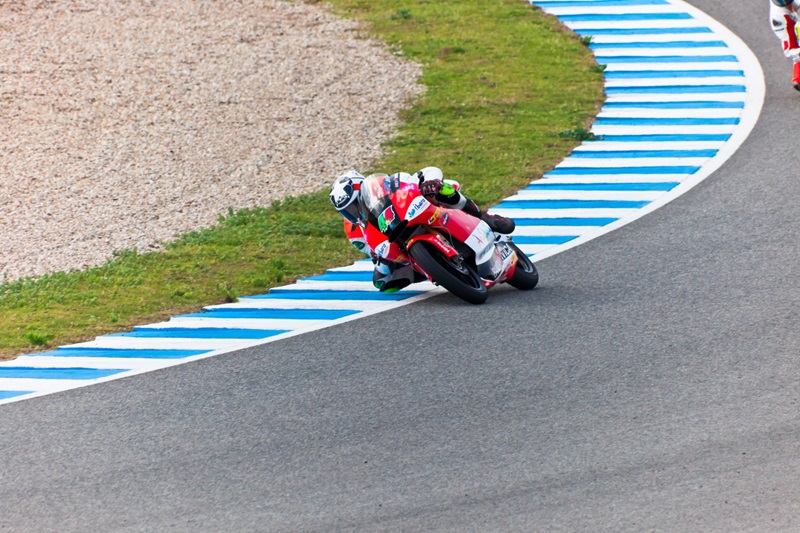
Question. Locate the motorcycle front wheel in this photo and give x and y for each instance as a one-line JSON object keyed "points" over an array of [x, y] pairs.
{"points": [[525, 275], [451, 273]]}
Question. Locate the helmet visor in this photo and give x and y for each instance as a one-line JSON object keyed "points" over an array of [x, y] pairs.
{"points": [[351, 212]]}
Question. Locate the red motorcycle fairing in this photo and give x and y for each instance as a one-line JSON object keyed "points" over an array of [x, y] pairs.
{"points": [[403, 226], [494, 260], [392, 252], [436, 240], [384, 249], [453, 221], [395, 204]]}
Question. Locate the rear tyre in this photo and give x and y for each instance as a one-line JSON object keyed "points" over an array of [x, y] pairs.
{"points": [[451, 273], [525, 275]]}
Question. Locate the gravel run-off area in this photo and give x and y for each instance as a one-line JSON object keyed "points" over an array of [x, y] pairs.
{"points": [[124, 123]]}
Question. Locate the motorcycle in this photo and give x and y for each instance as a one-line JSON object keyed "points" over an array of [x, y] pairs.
{"points": [[448, 246]]}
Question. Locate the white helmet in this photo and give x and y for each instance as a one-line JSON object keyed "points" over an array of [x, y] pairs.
{"points": [[344, 195]]}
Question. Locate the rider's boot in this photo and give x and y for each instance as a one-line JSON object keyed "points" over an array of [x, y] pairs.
{"points": [[496, 222], [796, 76]]}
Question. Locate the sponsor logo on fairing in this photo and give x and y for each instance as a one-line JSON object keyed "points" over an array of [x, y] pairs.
{"points": [[386, 218], [505, 251], [417, 208], [478, 236], [382, 249]]}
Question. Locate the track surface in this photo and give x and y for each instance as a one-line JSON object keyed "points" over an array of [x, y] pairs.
{"points": [[650, 383]]}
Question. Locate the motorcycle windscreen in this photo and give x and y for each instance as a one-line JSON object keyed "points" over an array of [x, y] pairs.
{"points": [[376, 202]]}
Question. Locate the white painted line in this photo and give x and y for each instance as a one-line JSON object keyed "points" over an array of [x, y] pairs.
{"points": [[611, 162], [639, 146], [276, 303], [571, 180], [600, 129], [643, 113], [41, 386], [648, 196], [655, 41], [650, 83], [239, 323], [130, 363], [564, 213], [579, 26], [552, 231], [160, 343], [617, 178], [535, 249], [358, 266], [611, 10], [675, 97], [668, 65], [658, 51], [306, 285]]}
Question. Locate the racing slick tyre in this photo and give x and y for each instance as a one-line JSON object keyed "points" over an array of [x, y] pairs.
{"points": [[452, 273], [525, 276]]}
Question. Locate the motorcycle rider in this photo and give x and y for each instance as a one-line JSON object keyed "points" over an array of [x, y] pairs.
{"points": [[389, 276], [783, 16]]}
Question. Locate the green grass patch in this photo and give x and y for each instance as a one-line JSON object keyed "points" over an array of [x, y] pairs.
{"points": [[504, 83]]}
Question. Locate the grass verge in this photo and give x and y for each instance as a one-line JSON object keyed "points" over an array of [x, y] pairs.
{"points": [[505, 82]]}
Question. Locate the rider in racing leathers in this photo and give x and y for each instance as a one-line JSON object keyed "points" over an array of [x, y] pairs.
{"points": [[389, 276], [783, 17]]}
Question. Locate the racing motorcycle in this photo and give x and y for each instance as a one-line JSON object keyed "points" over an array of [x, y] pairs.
{"points": [[448, 246]]}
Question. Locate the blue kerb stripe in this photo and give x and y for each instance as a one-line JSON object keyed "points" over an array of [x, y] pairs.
{"points": [[120, 353], [677, 137], [200, 333], [258, 313], [642, 31], [25, 372], [570, 171], [658, 121], [699, 104], [6, 394], [677, 89], [598, 3], [572, 204], [605, 154], [337, 295], [566, 221], [588, 17], [604, 60], [543, 239], [665, 44], [346, 275], [650, 186], [650, 74]]}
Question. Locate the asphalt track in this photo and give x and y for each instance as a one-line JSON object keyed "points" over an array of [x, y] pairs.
{"points": [[650, 383]]}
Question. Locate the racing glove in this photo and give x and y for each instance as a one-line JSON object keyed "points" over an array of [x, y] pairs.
{"points": [[429, 187]]}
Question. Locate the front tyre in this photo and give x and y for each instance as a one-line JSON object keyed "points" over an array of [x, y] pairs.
{"points": [[525, 275], [451, 273]]}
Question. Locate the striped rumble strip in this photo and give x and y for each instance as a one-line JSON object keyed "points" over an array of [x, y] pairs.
{"points": [[682, 94]]}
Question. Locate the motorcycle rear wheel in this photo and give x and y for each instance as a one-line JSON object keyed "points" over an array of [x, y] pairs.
{"points": [[455, 276], [525, 276]]}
